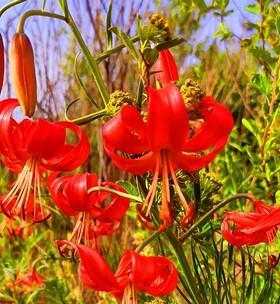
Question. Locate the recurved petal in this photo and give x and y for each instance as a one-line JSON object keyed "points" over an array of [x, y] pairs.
{"points": [[76, 191], [8, 126], [56, 190], [218, 123], [69, 156], [45, 139], [250, 228], [262, 207], [31, 278], [115, 206], [155, 275], [94, 270], [165, 68], [126, 131], [138, 165], [191, 162]]}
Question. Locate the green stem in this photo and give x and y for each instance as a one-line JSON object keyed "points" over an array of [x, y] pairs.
{"points": [[114, 50], [9, 5], [147, 241], [211, 212], [197, 193], [140, 95], [86, 118], [192, 286], [28, 14], [91, 61], [119, 193]]}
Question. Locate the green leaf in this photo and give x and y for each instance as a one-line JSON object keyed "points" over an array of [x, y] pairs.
{"points": [[251, 126], [64, 6], [129, 187], [229, 12], [277, 24], [201, 5], [169, 44], [127, 42], [150, 55], [263, 55], [262, 83], [108, 26], [223, 31], [253, 8]]}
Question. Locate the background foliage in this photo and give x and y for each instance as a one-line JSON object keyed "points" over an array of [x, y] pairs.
{"points": [[232, 49]]}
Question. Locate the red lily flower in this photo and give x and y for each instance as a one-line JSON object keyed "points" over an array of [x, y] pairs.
{"points": [[30, 279], [252, 228], [16, 229], [97, 213], [156, 276], [30, 148], [166, 142], [273, 261]]}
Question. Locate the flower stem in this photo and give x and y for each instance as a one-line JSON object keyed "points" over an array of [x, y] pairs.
{"points": [[9, 5], [114, 50], [147, 241], [212, 211], [188, 276], [86, 118], [119, 193], [90, 59], [92, 63], [20, 28]]}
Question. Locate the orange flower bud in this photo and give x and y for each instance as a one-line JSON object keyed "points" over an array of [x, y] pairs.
{"points": [[23, 72], [2, 62]]}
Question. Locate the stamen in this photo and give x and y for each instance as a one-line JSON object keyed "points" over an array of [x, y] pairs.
{"points": [[130, 295], [177, 187], [148, 202], [20, 191]]}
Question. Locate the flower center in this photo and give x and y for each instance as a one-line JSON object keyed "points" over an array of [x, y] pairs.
{"points": [[165, 167]]}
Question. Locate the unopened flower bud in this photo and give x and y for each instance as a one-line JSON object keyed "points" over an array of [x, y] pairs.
{"points": [[23, 72]]}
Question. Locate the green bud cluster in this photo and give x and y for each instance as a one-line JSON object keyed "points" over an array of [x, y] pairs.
{"points": [[191, 92]]}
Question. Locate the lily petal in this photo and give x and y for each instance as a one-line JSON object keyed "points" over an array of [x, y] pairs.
{"points": [[165, 68]]}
